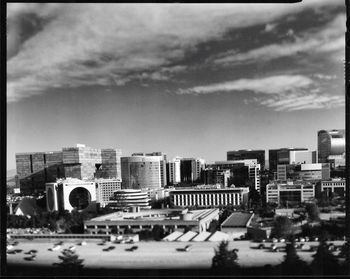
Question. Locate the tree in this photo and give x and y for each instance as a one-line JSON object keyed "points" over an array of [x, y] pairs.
{"points": [[345, 253], [214, 226], [69, 261], [254, 198], [225, 259], [312, 211], [292, 264], [157, 232], [282, 227], [324, 262]]}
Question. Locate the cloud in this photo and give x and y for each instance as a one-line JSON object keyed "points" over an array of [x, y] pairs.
{"points": [[281, 92], [328, 39], [268, 85], [112, 44], [304, 101], [325, 77]]}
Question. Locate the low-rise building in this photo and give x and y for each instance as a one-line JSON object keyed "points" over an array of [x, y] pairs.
{"points": [[71, 193], [290, 191], [331, 187], [128, 198], [169, 219], [236, 224], [208, 197]]}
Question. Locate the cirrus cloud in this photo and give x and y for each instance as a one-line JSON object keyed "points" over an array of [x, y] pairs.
{"points": [[112, 44]]}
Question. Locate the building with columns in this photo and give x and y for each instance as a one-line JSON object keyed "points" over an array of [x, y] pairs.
{"points": [[208, 197]]}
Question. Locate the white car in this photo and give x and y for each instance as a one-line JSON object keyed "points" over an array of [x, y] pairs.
{"points": [[72, 248], [9, 247], [55, 248]]}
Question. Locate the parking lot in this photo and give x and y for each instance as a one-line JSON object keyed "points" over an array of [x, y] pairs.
{"points": [[152, 254]]}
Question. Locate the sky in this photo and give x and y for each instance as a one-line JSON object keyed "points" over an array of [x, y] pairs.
{"points": [[190, 80]]}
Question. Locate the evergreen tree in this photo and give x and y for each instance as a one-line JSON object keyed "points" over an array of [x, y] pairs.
{"points": [[292, 264], [324, 262], [225, 259], [70, 262]]}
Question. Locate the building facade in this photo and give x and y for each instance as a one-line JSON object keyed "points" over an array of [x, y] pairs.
{"points": [[69, 194], [331, 145], [208, 197], [81, 162], [303, 172], [110, 167], [332, 187], [191, 169], [217, 176], [105, 189], [37, 168], [169, 219], [141, 172], [242, 172], [128, 198], [174, 171], [288, 156], [290, 192], [245, 154]]}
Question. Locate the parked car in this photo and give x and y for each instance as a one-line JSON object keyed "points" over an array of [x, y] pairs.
{"points": [[55, 248], [185, 249], [132, 249], [72, 248], [276, 248]]}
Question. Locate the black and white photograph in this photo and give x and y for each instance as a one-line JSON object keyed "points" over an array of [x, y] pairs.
{"points": [[183, 139]]}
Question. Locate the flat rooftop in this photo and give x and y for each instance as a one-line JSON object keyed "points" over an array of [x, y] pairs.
{"points": [[161, 214], [237, 219]]}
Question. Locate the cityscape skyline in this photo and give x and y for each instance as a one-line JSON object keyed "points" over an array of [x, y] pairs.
{"points": [[187, 80]]}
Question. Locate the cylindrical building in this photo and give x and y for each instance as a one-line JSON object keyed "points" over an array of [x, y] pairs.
{"points": [[331, 142], [139, 172]]}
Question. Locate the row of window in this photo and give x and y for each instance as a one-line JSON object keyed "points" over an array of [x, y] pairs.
{"points": [[206, 199]]}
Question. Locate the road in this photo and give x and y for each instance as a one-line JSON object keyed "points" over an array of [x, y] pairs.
{"points": [[157, 255]]}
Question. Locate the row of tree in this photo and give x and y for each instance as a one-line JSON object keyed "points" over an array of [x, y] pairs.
{"points": [[323, 263]]}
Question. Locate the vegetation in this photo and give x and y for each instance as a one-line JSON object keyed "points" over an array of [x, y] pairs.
{"points": [[70, 261], [292, 264], [225, 259], [65, 221], [324, 262], [312, 211], [282, 227], [214, 226]]}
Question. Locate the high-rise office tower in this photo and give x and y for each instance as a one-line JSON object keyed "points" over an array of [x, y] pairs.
{"points": [[81, 162], [290, 156], [247, 154], [163, 162], [140, 172], [110, 164], [331, 147], [37, 168], [174, 171], [191, 169], [242, 172]]}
